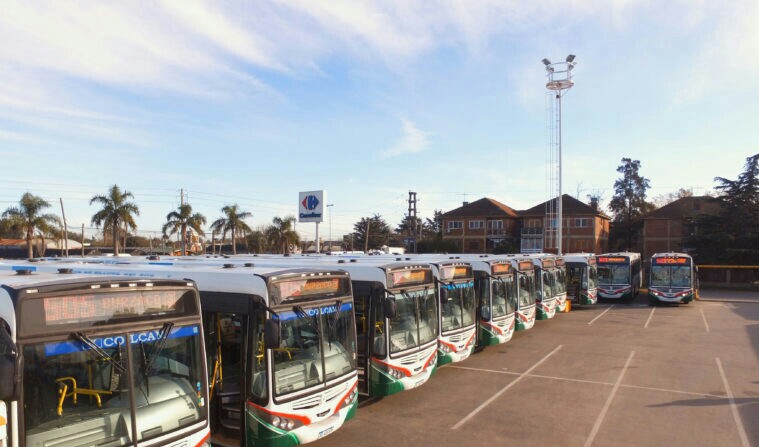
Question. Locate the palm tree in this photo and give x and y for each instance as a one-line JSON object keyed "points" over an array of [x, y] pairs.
{"points": [[232, 222], [182, 218], [27, 218], [116, 211], [281, 234]]}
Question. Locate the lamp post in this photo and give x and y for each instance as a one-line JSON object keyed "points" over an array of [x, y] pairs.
{"points": [[330, 205], [559, 81]]}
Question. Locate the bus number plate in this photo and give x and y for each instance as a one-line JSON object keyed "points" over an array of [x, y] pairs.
{"points": [[324, 433]]}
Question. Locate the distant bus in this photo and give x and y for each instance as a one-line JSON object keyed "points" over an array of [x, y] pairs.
{"points": [[619, 275], [93, 360], [545, 285], [526, 292], [561, 285], [495, 285], [673, 279], [582, 278]]}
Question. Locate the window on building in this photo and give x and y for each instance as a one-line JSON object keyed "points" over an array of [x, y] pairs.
{"points": [[476, 224], [583, 222], [455, 225], [550, 223], [495, 224]]}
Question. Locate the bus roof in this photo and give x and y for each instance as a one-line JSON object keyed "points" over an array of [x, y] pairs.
{"points": [[627, 254], [671, 254]]}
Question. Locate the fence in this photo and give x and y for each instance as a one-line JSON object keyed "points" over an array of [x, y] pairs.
{"points": [[733, 276]]}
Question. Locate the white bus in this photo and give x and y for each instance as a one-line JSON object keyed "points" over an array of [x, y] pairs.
{"points": [[546, 285], [619, 275], [281, 347], [561, 285], [674, 279], [526, 292], [582, 278], [93, 360], [496, 289]]}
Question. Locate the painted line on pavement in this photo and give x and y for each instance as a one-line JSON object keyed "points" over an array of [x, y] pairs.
{"points": [[733, 407], [606, 406], [601, 315], [645, 326], [706, 325], [592, 382], [503, 390]]}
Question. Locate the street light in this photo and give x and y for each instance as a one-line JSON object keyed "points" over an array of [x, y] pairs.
{"points": [[330, 205], [559, 81]]}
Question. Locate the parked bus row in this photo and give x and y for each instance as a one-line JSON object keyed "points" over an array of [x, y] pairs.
{"points": [[256, 350]]}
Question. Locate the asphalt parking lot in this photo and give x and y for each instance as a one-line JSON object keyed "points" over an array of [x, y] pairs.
{"points": [[613, 374]]}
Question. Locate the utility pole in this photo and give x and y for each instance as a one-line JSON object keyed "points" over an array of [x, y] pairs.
{"points": [[412, 221], [366, 241], [82, 240], [65, 231]]}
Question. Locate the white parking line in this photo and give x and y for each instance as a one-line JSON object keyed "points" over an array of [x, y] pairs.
{"points": [[592, 382], [503, 390], [600, 315], [736, 416], [649, 318], [601, 416], [706, 325]]}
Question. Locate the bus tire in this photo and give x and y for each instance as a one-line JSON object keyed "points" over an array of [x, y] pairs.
{"points": [[652, 301]]}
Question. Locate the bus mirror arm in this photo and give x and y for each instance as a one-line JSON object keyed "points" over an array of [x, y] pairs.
{"points": [[8, 372], [272, 338]]}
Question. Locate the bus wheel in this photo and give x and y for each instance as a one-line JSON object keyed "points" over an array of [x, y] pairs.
{"points": [[652, 301]]}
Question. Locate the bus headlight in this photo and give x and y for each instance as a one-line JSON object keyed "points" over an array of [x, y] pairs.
{"points": [[283, 423]]}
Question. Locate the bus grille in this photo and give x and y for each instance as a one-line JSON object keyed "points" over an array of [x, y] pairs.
{"points": [[308, 402]]}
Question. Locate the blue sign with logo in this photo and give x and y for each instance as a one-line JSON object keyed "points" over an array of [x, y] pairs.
{"points": [[311, 206], [310, 202]]}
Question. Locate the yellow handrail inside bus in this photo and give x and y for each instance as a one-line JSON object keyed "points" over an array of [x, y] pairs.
{"points": [[218, 374], [63, 392]]}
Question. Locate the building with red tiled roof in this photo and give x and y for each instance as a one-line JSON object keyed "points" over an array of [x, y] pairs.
{"points": [[584, 229], [479, 226], [667, 228]]}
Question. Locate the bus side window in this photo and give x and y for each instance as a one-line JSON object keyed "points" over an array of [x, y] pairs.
{"points": [[258, 386]]}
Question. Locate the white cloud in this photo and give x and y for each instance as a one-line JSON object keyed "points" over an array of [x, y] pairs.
{"points": [[412, 141]]}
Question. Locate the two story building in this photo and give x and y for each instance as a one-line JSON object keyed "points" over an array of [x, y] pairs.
{"points": [[667, 228], [584, 228], [478, 227]]}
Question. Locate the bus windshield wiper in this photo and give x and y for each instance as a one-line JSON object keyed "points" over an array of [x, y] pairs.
{"points": [[87, 341], [162, 337], [312, 321]]}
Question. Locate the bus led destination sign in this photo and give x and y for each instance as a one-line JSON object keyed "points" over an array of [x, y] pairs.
{"points": [[500, 269], [526, 265], [612, 260], [409, 277], [97, 307], [455, 272], [308, 287], [671, 261]]}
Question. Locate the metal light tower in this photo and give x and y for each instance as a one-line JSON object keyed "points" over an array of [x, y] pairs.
{"points": [[559, 82]]}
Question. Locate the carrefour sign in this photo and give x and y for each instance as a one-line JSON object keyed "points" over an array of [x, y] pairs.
{"points": [[311, 206]]}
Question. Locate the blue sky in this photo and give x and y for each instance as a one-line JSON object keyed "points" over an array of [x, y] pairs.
{"points": [[251, 102]]}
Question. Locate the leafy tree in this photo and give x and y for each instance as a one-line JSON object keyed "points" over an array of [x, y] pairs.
{"points": [[256, 240], [434, 225], [281, 234], [180, 219], [628, 204], [377, 229], [732, 236], [233, 222], [27, 218], [116, 210], [665, 199]]}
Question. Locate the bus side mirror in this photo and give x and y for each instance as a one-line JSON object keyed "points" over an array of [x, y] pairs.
{"points": [[272, 338], [390, 308], [7, 377]]}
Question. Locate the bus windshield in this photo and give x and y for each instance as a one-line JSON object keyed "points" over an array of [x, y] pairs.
{"points": [[457, 305], [548, 284], [613, 274], [561, 281], [164, 364], [415, 322], [670, 276], [504, 298], [526, 289], [592, 277], [317, 345]]}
